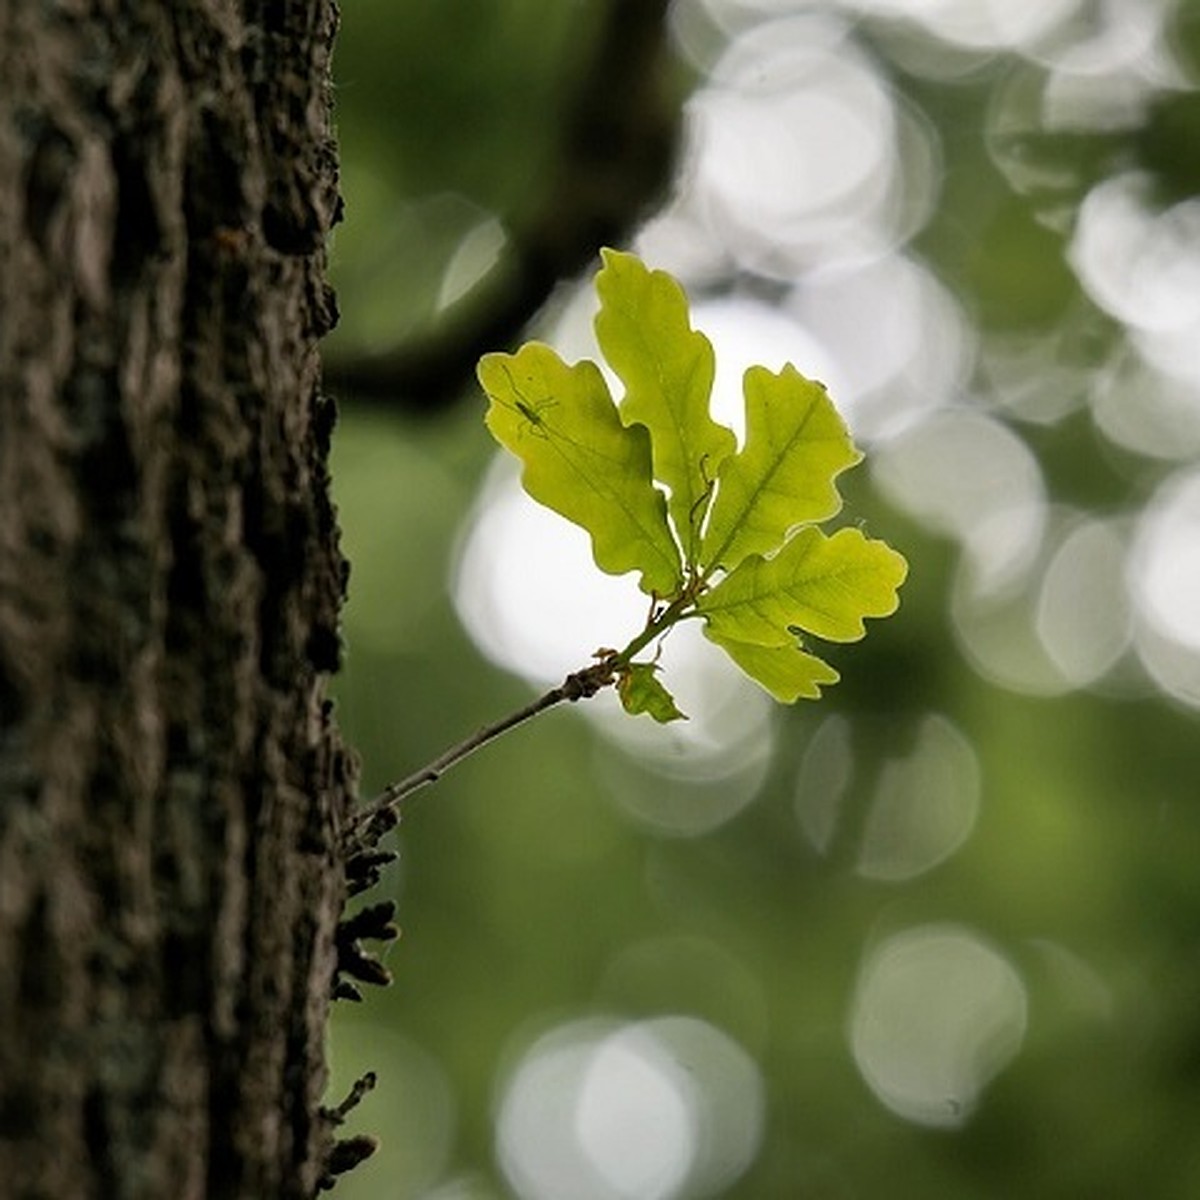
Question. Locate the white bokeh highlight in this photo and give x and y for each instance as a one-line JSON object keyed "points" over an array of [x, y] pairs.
{"points": [[1140, 265], [1084, 613], [966, 475], [530, 595], [906, 815], [794, 150], [937, 1014], [1165, 579], [661, 1109], [924, 806], [527, 589]]}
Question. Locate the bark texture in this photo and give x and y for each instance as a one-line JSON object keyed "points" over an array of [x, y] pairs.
{"points": [[171, 786]]}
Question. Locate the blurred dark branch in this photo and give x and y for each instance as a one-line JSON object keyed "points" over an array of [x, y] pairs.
{"points": [[616, 157]]}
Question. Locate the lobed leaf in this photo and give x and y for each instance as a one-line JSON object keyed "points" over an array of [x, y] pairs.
{"points": [[745, 518], [787, 672], [796, 446], [641, 692], [581, 461], [822, 585], [667, 368]]}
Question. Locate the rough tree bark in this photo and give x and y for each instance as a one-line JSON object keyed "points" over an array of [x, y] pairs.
{"points": [[171, 785]]}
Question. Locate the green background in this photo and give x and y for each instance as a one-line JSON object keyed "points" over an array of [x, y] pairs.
{"points": [[532, 899]]}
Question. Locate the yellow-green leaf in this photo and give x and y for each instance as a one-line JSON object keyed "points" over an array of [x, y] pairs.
{"points": [[736, 543], [786, 671], [667, 368], [784, 475], [822, 585], [581, 461], [641, 692]]}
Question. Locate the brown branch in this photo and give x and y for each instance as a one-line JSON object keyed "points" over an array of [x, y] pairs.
{"points": [[382, 813], [616, 160]]}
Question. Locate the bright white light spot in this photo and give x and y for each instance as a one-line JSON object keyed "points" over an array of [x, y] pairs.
{"points": [[677, 238], [1083, 611], [1110, 38], [1141, 266], [968, 476], [664, 1108], [776, 139], [705, 770], [746, 332], [1101, 103], [1167, 561], [1059, 623], [1165, 577], [1150, 400], [997, 633], [1176, 354], [924, 807], [727, 712], [632, 1118], [937, 1014], [794, 149], [531, 597], [917, 350], [729, 1099], [536, 1141], [528, 590]]}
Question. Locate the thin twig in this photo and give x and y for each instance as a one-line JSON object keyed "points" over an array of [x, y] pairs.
{"points": [[371, 822], [382, 813]]}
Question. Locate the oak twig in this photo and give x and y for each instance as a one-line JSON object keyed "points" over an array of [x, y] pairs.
{"points": [[382, 813]]}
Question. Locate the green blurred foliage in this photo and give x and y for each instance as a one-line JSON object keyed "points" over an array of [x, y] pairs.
{"points": [[529, 898], [441, 113]]}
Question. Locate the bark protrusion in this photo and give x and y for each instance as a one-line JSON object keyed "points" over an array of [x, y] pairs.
{"points": [[372, 923]]}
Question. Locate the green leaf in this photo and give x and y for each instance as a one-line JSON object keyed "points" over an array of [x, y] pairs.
{"points": [[754, 565], [787, 672], [641, 692], [667, 368], [796, 446], [822, 585], [581, 461]]}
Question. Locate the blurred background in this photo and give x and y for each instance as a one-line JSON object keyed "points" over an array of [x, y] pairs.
{"points": [[939, 933]]}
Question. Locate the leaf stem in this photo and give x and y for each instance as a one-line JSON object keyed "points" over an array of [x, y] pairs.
{"points": [[675, 611]]}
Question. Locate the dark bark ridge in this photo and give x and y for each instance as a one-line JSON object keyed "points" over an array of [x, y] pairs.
{"points": [[171, 783]]}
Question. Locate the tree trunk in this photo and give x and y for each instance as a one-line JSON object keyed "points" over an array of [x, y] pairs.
{"points": [[171, 785]]}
